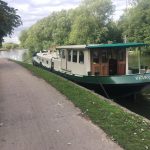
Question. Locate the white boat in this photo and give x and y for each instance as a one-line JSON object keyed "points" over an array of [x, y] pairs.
{"points": [[101, 67]]}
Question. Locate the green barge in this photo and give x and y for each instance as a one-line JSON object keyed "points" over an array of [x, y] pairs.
{"points": [[100, 67]]}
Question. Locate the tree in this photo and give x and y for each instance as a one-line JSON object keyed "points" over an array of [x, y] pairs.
{"points": [[9, 46], [84, 30], [135, 23], [50, 31], [8, 20], [23, 37], [93, 23]]}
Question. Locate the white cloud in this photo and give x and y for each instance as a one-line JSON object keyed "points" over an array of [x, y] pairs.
{"points": [[41, 2], [121, 6], [33, 10], [21, 7], [13, 39]]}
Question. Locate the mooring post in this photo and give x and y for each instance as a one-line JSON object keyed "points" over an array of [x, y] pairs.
{"points": [[105, 92]]}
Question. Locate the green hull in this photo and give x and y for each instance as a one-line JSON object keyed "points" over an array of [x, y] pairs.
{"points": [[112, 86], [107, 80]]}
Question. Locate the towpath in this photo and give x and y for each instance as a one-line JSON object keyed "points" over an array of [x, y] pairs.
{"points": [[35, 116]]}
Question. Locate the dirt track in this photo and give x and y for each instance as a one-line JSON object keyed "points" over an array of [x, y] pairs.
{"points": [[35, 116]]}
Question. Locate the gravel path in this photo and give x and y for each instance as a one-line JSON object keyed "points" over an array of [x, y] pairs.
{"points": [[35, 116]]}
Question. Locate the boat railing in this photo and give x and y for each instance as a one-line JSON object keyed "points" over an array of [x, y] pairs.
{"points": [[66, 71]]}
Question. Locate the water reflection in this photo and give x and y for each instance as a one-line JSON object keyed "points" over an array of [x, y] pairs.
{"points": [[133, 61], [140, 105], [19, 54]]}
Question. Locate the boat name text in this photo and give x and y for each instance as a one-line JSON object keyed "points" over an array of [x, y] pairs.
{"points": [[142, 77]]}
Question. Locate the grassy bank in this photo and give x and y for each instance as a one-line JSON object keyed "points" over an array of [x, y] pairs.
{"points": [[128, 130]]}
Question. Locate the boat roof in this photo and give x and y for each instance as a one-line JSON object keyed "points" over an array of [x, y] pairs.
{"points": [[112, 45], [72, 47], [116, 45]]}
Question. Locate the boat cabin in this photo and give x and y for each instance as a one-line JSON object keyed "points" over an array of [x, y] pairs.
{"points": [[96, 59], [75, 59], [108, 61]]}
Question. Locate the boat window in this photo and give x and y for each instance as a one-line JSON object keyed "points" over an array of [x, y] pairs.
{"points": [[120, 55], [69, 55], [47, 61], [95, 57], [59, 53], [104, 56], [63, 53], [74, 55], [81, 57], [110, 54]]}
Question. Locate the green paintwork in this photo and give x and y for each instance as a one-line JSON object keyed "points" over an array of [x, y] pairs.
{"points": [[116, 45], [101, 46], [121, 79], [113, 84]]}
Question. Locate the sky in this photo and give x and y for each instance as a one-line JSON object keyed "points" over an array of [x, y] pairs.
{"points": [[31, 11]]}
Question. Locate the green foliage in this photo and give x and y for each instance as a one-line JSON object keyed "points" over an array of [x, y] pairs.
{"points": [[114, 33], [83, 30], [8, 20], [132, 132], [49, 31], [9, 46], [89, 23], [23, 37], [135, 24], [101, 10]]}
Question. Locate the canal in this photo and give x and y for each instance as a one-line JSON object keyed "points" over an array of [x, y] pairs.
{"points": [[140, 106], [17, 54]]}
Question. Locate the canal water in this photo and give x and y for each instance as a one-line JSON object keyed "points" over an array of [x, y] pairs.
{"points": [[140, 106], [17, 54]]}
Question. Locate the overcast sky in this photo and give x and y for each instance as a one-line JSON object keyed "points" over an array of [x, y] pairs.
{"points": [[33, 10]]}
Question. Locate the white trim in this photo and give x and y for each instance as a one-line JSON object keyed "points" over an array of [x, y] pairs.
{"points": [[72, 47], [127, 62]]}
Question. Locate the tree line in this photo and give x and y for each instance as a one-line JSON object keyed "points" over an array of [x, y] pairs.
{"points": [[8, 46], [91, 22]]}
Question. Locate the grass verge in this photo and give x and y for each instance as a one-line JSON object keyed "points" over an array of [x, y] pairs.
{"points": [[130, 131]]}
